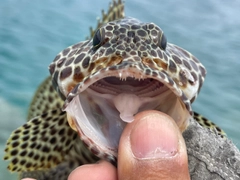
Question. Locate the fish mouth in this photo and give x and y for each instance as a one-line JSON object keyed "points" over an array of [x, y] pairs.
{"points": [[102, 107]]}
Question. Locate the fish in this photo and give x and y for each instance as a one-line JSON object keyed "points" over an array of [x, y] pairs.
{"points": [[96, 87]]}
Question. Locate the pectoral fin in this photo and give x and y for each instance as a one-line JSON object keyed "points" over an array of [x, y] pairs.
{"points": [[41, 143]]}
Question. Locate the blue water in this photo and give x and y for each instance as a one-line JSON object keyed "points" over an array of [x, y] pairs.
{"points": [[33, 32]]}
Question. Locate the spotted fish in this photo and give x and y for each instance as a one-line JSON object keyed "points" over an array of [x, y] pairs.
{"points": [[96, 87]]}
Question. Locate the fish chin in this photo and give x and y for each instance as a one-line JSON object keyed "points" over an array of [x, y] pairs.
{"points": [[101, 111]]}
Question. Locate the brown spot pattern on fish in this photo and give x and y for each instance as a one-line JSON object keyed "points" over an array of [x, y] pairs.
{"points": [[25, 145], [210, 125], [45, 99], [147, 50]]}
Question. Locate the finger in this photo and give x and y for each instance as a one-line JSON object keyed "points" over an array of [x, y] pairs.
{"points": [[152, 147], [101, 171]]}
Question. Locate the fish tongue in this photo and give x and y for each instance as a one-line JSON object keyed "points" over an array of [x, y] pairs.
{"points": [[127, 105]]}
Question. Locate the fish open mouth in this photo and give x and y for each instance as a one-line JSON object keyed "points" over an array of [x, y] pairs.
{"points": [[101, 110]]}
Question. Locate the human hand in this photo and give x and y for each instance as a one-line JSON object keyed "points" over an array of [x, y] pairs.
{"points": [[151, 147]]}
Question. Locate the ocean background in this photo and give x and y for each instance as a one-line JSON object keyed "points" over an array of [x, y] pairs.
{"points": [[33, 32]]}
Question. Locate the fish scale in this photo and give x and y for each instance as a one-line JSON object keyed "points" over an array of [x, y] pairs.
{"points": [[47, 147]]}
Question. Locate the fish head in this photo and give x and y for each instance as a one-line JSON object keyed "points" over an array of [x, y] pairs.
{"points": [[127, 67]]}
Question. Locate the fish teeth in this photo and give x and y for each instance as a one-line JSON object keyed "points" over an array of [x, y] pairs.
{"points": [[120, 75]]}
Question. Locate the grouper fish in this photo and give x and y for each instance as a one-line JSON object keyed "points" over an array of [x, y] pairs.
{"points": [[96, 87]]}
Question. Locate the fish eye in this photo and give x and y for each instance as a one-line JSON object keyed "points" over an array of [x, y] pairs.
{"points": [[97, 39], [162, 42]]}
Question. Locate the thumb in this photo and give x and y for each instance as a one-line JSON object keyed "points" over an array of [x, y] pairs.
{"points": [[152, 147]]}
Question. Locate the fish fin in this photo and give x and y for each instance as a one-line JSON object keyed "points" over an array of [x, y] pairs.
{"points": [[41, 143], [78, 156], [209, 124], [45, 98], [115, 11], [60, 172]]}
